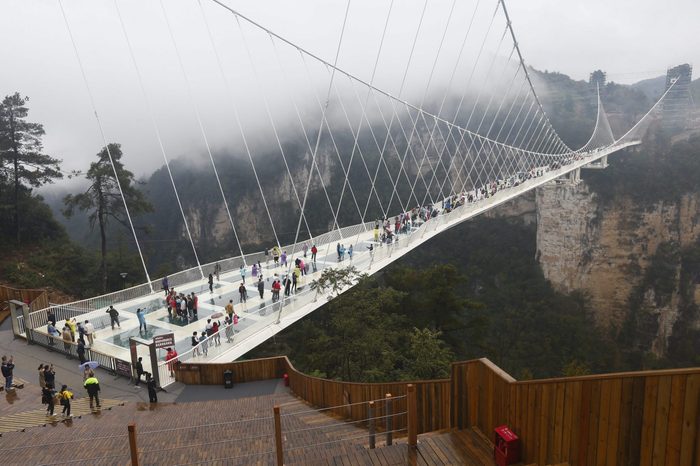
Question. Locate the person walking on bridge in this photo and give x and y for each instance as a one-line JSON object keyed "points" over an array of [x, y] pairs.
{"points": [[314, 251], [90, 332], [261, 287], [211, 283], [113, 316], [142, 320]]}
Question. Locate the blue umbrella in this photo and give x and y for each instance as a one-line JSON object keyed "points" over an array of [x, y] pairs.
{"points": [[90, 364]]}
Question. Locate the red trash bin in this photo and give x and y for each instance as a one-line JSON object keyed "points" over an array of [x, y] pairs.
{"points": [[506, 446]]}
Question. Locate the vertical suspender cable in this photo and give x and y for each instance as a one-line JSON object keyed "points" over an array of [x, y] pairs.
{"points": [[201, 127], [238, 120], [318, 142], [157, 131], [104, 140]]}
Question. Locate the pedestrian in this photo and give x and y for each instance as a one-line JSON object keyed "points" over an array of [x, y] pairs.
{"points": [[314, 251], [254, 271], [371, 250], [7, 367], [142, 320], [51, 317], [228, 329], [283, 259], [287, 285], [171, 358], [151, 384], [195, 343], [229, 308], [337, 249], [276, 287], [64, 397], [305, 248], [350, 251], [376, 232], [211, 283], [215, 332], [81, 350], [81, 330], [165, 285], [243, 272], [276, 255], [243, 293], [50, 375], [195, 306], [204, 342], [42, 380], [295, 279], [48, 395], [113, 316], [72, 326], [92, 385], [235, 322], [139, 370], [53, 333], [66, 340], [90, 332], [261, 287]]}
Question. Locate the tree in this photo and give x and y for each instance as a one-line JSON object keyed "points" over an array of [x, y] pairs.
{"points": [[22, 162], [428, 356], [104, 201]]}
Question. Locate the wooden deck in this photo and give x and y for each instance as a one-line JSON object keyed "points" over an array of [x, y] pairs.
{"points": [[224, 432]]}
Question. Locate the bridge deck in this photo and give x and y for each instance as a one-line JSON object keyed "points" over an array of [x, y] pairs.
{"points": [[260, 317]]}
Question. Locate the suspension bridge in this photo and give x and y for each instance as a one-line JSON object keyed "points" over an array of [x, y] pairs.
{"points": [[421, 159]]}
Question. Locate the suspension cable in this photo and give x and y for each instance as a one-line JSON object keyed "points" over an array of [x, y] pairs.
{"points": [[201, 127], [104, 140], [157, 131]]}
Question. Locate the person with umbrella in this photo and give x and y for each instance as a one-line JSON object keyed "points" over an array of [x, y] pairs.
{"points": [[92, 385]]}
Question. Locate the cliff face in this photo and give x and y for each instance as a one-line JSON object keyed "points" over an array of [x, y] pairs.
{"points": [[604, 249]]}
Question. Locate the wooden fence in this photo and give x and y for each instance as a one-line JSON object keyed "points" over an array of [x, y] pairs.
{"points": [[634, 418], [433, 396], [36, 298]]}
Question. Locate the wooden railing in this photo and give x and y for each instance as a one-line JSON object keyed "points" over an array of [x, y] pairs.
{"points": [[639, 418], [433, 396]]}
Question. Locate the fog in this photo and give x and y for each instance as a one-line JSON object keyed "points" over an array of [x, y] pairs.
{"points": [[260, 78]]}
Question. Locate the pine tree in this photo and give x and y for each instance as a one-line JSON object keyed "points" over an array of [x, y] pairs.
{"points": [[103, 200], [22, 163]]}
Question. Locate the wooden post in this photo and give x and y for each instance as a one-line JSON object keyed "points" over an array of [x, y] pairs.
{"points": [[372, 431], [389, 424], [132, 445], [412, 415], [278, 437]]}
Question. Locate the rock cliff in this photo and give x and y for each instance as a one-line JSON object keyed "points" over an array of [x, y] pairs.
{"points": [[604, 249]]}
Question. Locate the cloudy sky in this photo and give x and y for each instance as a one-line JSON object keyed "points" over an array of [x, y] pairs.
{"points": [[630, 39]]}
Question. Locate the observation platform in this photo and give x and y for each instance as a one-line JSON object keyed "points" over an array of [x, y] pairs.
{"points": [[261, 318], [236, 431]]}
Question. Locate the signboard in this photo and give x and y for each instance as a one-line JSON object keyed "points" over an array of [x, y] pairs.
{"points": [[164, 341], [122, 367]]}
